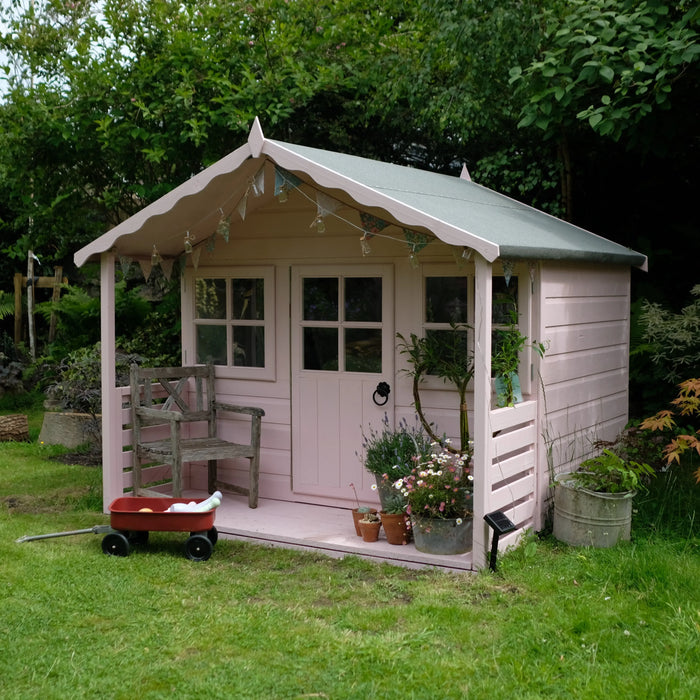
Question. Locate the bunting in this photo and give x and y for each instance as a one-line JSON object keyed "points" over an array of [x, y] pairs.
{"points": [[508, 266], [417, 241]]}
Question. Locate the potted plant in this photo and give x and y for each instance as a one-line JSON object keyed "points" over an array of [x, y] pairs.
{"points": [[509, 342], [395, 520], [359, 512], [593, 506], [445, 355], [391, 453], [369, 526], [439, 495]]}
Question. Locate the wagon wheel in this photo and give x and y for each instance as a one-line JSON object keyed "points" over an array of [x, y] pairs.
{"points": [[116, 544], [138, 537], [198, 548], [212, 535]]}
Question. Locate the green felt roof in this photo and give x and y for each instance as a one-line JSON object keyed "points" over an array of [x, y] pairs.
{"points": [[454, 209], [518, 230]]}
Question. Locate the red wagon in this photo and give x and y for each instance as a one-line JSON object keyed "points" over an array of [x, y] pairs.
{"points": [[131, 524]]}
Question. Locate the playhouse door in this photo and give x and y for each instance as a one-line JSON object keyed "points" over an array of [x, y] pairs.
{"points": [[342, 361]]}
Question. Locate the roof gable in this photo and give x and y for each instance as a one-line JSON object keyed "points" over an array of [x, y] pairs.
{"points": [[455, 210]]}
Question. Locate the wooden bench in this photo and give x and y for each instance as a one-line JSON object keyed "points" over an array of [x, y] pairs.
{"points": [[162, 396]]}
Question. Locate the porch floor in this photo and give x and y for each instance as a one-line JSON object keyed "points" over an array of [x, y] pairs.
{"points": [[322, 529]]}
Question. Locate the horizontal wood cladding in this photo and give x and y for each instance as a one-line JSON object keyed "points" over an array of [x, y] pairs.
{"points": [[585, 372], [580, 364], [584, 310], [584, 336]]}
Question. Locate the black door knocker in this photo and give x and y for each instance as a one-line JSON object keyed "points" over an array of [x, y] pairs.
{"points": [[383, 390]]}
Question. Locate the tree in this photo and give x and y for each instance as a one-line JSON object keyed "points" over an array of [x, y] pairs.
{"points": [[613, 64]]}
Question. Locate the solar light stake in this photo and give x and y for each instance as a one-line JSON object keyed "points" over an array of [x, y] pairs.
{"points": [[501, 525]]}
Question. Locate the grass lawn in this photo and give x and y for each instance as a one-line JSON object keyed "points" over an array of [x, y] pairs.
{"points": [[256, 622]]}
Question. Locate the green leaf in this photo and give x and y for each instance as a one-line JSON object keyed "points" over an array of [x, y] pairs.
{"points": [[607, 73]]}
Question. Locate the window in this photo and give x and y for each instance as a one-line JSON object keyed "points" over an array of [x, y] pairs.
{"points": [[446, 306], [233, 320], [505, 309], [449, 300], [342, 324]]}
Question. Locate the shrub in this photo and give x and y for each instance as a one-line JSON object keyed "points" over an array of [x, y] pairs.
{"points": [[686, 404]]}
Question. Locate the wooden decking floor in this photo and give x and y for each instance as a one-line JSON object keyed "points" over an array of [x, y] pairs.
{"points": [[321, 529]]}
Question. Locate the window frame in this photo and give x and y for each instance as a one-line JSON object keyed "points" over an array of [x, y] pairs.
{"points": [[524, 300], [267, 274]]}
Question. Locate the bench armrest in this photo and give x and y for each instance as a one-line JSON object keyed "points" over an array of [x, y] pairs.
{"points": [[249, 410]]}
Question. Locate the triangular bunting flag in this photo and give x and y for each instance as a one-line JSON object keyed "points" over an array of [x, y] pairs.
{"points": [[284, 180], [146, 268], [167, 266], [416, 240], [211, 243], [326, 205], [125, 264], [242, 205], [372, 224], [195, 257], [256, 184], [508, 270]]}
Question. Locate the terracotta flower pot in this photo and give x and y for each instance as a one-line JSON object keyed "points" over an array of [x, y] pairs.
{"points": [[357, 516], [370, 530], [396, 528]]}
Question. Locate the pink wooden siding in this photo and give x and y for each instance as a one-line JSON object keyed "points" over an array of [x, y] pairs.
{"points": [[585, 321]]}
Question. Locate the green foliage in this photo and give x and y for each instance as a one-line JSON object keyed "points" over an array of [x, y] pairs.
{"points": [[393, 452], [610, 473], [505, 357], [447, 355], [672, 340], [608, 62], [7, 304], [77, 385]]}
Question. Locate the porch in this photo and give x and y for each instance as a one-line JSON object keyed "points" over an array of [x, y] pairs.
{"points": [[321, 529], [507, 481]]}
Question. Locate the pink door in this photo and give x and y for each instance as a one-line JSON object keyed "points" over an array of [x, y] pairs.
{"points": [[342, 320]]}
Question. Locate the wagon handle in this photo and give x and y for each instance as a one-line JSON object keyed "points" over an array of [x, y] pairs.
{"points": [[97, 530]]}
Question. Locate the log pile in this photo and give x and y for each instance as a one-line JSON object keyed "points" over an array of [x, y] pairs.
{"points": [[14, 428]]}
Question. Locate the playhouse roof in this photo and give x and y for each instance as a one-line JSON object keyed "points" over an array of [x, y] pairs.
{"points": [[454, 209]]}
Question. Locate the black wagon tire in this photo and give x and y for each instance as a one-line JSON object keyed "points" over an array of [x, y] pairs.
{"points": [[198, 548], [212, 535], [116, 544]]}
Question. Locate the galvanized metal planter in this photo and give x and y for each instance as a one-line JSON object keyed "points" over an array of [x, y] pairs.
{"points": [[442, 536], [590, 518]]}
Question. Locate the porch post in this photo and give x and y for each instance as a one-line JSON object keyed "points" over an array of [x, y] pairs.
{"points": [[483, 285], [111, 408]]}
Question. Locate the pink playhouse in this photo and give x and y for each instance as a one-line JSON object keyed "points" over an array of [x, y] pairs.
{"points": [[298, 268]]}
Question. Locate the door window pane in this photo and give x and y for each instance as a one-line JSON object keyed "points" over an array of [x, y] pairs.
{"points": [[210, 298], [321, 348], [211, 345], [446, 299], [363, 350], [321, 299], [248, 299], [363, 299], [249, 346]]}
